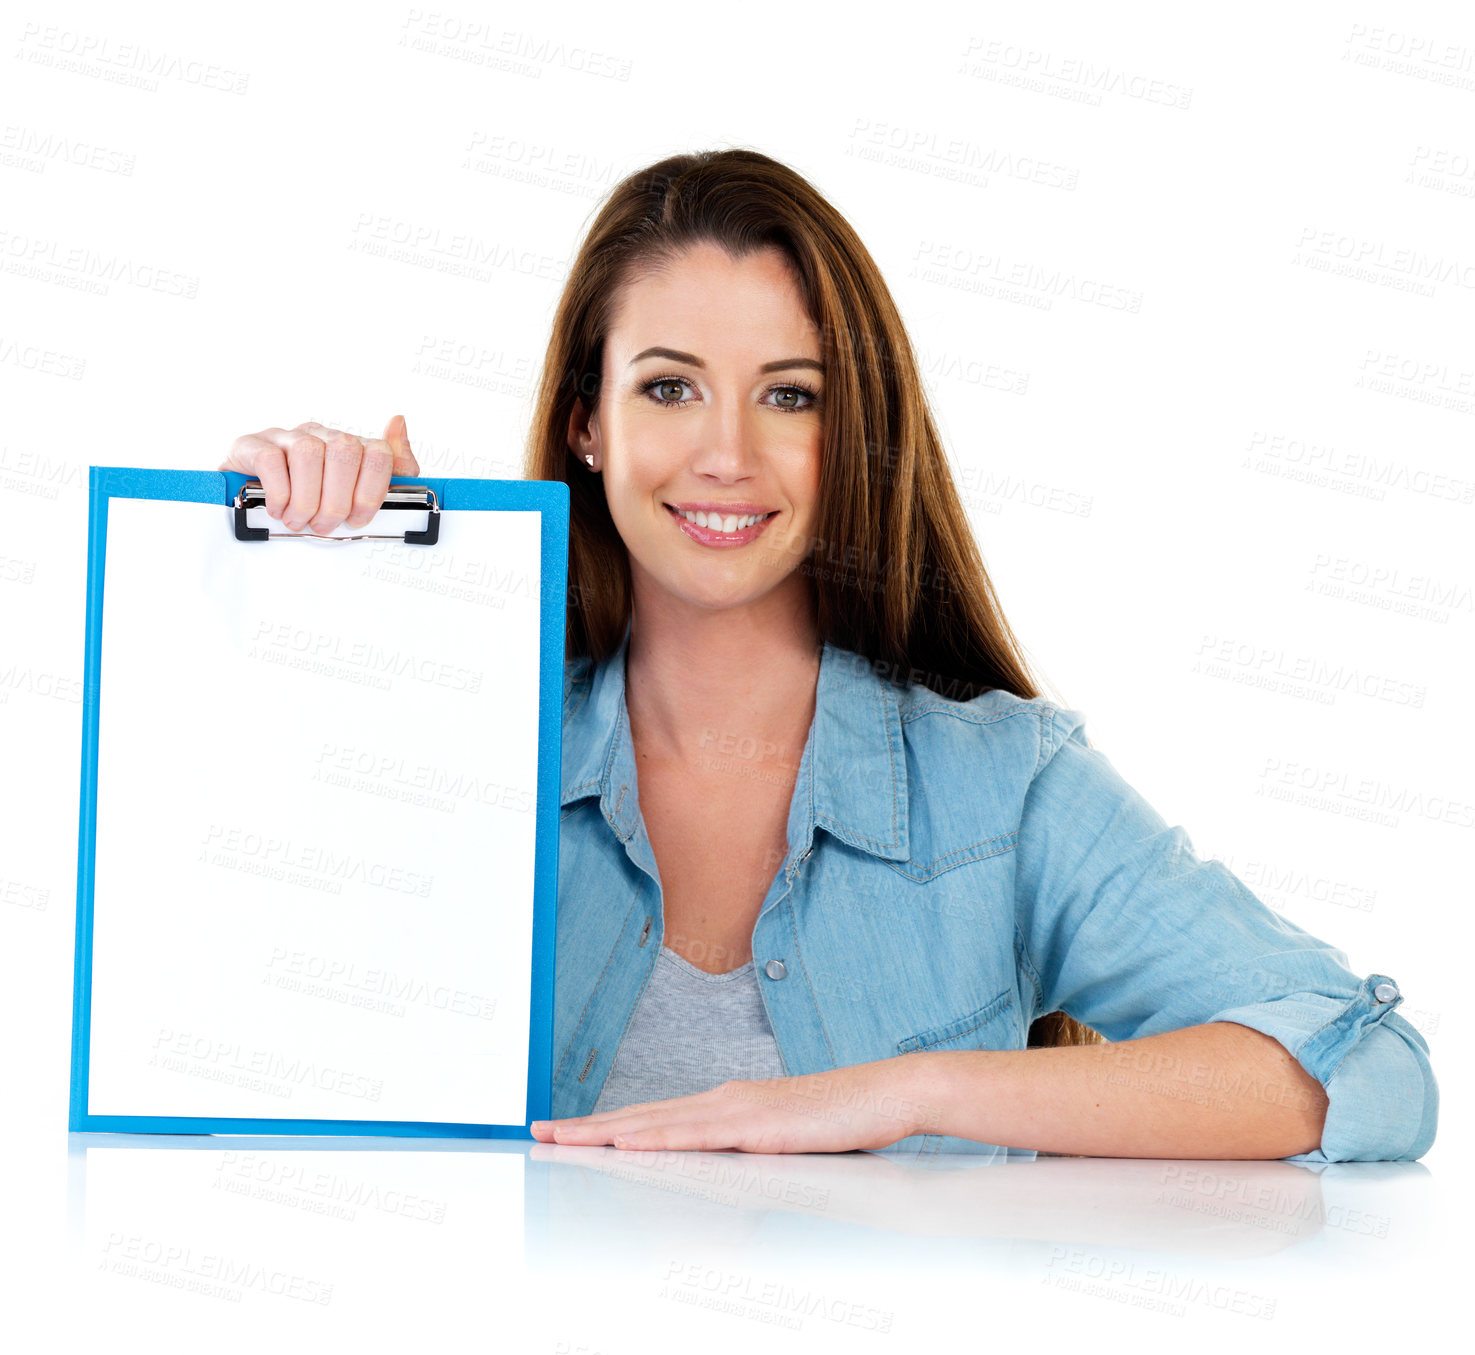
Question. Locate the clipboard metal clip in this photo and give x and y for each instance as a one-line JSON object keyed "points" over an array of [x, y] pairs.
{"points": [[412, 497]]}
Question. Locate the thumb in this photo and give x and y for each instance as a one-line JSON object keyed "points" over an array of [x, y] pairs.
{"points": [[397, 436]]}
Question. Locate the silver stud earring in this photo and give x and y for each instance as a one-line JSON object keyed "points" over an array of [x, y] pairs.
{"points": [[590, 460]]}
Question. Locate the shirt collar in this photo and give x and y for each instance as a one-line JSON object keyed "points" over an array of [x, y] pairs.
{"points": [[852, 779]]}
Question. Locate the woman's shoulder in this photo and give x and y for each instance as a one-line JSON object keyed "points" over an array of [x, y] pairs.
{"points": [[918, 699], [1010, 733], [964, 763]]}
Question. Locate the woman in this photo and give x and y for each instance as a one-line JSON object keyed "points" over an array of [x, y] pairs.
{"points": [[828, 864]]}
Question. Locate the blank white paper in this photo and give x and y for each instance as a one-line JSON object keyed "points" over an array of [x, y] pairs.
{"points": [[317, 781]]}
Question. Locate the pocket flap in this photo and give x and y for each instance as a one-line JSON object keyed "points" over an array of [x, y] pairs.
{"points": [[960, 1029]]}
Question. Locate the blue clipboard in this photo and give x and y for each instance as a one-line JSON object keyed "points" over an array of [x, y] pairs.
{"points": [[436, 507]]}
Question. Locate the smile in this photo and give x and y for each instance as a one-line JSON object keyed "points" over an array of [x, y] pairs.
{"points": [[708, 529]]}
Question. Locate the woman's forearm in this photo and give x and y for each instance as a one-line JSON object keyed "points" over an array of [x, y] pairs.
{"points": [[1219, 1090]]}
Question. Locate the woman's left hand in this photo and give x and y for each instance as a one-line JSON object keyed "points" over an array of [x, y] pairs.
{"points": [[868, 1105]]}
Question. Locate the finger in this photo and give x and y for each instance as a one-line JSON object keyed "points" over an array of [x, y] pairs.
{"points": [[304, 456], [343, 454], [637, 1118], [305, 453], [582, 1136], [620, 1113], [698, 1136], [637, 1113], [603, 1128], [258, 456], [398, 438], [373, 481], [588, 1134]]}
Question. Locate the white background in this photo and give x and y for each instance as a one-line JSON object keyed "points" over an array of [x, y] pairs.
{"points": [[1267, 465]]}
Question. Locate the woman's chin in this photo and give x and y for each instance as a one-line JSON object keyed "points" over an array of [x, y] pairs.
{"points": [[716, 595]]}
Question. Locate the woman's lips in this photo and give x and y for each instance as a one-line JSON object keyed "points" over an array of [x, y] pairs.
{"points": [[706, 536]]}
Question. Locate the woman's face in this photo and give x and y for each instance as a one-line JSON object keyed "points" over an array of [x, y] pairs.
{"points": [[722, 421]]}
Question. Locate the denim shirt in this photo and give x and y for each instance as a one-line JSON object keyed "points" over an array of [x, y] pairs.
{"points": [[956, 869]]}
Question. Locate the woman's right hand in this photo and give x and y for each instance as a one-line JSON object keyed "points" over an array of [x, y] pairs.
{"points": [[318, 477]]}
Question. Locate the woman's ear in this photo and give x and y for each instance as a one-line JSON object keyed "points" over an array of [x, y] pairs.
{"points": [[583, 434]]}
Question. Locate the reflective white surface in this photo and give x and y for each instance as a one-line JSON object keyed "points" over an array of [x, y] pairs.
{"points": [[248, 1242]]}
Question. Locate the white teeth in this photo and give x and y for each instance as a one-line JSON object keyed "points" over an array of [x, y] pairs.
{"points": [[716, 522]]}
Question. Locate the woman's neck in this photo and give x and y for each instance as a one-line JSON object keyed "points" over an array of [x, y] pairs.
{"points": [[697, 679]]}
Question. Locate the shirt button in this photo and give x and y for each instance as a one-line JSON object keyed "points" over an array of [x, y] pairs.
{"points": [[1385, 992], [775, 969]]}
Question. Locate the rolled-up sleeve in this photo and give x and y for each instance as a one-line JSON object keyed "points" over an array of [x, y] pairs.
{"points": [[1124, 928]]}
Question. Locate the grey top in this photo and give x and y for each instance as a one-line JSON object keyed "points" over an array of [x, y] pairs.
{"points": [[691, 1031]]}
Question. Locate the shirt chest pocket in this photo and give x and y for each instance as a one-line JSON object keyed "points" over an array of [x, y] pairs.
{"points": [[991, 1026]]}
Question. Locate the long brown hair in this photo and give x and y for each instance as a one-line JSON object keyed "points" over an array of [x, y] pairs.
{"points": [[896, 573]]}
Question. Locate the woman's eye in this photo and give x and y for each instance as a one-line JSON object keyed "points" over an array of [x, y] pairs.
{"points": [[793, 397], [668, 390]]}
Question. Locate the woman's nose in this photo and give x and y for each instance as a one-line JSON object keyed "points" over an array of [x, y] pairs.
{"points": [[730, 441]]}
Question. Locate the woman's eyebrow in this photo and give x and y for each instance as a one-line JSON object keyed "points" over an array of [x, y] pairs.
{"points": [[675, 355]]}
